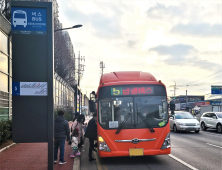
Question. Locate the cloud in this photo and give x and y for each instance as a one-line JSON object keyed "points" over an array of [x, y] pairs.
{"points": [[131, 43], [104, 26], [185, 55], [201, 29], [161, 11], [175, 53], [210, 66]]}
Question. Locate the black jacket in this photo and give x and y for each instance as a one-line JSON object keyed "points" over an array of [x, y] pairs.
{"points": [[61, 128], [91, 131]]}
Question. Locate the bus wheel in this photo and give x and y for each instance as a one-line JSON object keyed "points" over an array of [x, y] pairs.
{"points": [[175, 128]]}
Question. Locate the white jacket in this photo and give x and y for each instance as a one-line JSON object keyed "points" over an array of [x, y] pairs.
{"points": [[74, 141], [80, 126]]}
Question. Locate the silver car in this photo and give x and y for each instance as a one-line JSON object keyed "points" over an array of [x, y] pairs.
{"points": [[211, 120], [184, 121]]}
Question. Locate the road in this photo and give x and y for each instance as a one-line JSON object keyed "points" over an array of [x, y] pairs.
{"points": [[201, 151]]}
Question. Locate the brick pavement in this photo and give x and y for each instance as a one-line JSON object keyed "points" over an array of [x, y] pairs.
{"points": [[34, 156]]}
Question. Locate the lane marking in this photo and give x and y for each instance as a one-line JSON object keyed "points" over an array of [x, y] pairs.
{"points": [[214, 145], [184, 163]]}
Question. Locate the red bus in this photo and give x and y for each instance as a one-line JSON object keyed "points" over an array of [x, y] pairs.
{"points": [[132, 115]]}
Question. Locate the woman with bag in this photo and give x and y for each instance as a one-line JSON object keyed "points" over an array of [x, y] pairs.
{"points": [[78, 124]]}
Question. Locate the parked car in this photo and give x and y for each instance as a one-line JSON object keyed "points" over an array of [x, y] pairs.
{"points": [[184, 121], [211, 120]]}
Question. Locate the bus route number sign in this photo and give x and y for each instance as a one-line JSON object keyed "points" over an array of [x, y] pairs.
{"points": [[124, 91]]}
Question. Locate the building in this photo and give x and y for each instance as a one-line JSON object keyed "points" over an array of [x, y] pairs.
{"points": [[5, 69], [63, 95], [183, 101]]}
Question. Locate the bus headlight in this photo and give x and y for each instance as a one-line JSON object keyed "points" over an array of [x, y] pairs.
{"points": [[166, 143], [102, 144]]}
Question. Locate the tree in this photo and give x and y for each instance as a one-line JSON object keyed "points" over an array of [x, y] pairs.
{"points": [[5, 8], [64, 57]]}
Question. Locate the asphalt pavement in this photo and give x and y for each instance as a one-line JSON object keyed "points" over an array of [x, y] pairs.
{"points": [[202, 151], [189, 150]]}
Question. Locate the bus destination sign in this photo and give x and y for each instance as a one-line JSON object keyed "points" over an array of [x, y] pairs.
{"points": [[124, 91]]}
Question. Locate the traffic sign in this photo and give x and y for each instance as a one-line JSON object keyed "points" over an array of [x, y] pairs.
{"points": [[29, 20], [216, 89]]}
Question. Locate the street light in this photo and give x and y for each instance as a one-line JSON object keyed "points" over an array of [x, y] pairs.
{"points": [[75, 26]]}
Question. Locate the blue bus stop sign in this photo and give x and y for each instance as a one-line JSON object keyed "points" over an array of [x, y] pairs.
{"points": [[28, 20]]}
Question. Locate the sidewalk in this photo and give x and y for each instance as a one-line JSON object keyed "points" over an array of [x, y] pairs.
{"points": [[32, 156]]}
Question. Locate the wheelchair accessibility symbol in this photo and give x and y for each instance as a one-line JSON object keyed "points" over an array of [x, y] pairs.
{"points": [[19, 18]]}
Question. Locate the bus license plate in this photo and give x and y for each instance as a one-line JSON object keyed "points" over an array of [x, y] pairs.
{"points": [[136, 152]]}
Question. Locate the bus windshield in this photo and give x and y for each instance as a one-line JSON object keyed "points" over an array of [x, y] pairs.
{"points": [[113, 111]]}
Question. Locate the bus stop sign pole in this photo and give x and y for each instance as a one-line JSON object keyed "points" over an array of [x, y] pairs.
{"points": [[32, 74]]}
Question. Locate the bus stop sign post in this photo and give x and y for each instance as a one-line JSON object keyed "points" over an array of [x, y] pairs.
{"points": [[32, 74]]}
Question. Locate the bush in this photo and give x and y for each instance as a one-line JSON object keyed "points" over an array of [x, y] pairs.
{"points": [[68, 114], [5, 131]]}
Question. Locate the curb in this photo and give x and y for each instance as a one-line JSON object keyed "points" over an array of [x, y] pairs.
{"points": [[76, 164], [1, 150]]}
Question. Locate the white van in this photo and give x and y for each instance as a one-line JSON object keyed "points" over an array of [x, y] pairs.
{"points": [[19, 18]]}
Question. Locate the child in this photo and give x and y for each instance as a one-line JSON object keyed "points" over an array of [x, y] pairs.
{"points": [[74, 144]]}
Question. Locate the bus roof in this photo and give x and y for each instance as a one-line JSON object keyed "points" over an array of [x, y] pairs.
{"points": [[125, 76]]}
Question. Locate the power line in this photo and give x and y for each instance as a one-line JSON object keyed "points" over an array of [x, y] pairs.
{"points": [[203, 78]]}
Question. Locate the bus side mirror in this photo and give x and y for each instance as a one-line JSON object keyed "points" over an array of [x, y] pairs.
{"points": [[92, 106]]}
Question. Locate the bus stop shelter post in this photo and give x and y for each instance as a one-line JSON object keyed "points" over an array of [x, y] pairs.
{"points": [[50, 90]]}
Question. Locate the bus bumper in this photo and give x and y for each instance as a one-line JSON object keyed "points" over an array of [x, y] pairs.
{"points": [[126, 153]]}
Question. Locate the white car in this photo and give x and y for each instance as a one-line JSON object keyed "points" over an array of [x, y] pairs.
{"points": [[211, 120], [184, 121]]}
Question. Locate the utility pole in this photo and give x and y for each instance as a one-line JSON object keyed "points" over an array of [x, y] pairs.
{"points": [[174, 91], [102, 66], [80, 71]]}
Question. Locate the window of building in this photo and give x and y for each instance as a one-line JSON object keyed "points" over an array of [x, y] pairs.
{"points": [[3, 63], [4, 82], [3, 43]]}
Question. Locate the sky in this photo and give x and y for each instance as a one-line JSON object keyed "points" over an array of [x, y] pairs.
{"points": [[178, 42]]}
